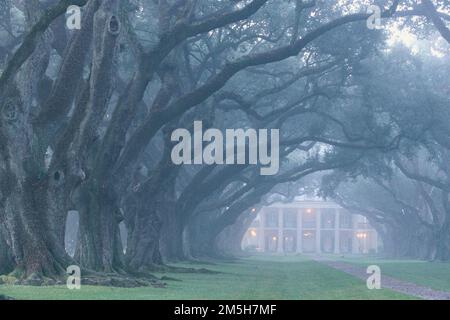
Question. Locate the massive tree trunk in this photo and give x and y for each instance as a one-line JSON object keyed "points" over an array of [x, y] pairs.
{"points": [[99, 244], [34, 246], [171, 241], [443, 234], [202, 236], [154, 227], [406, 240], [442, 243], [6, 259], [57, 199], [229, 241], [144, 225]]}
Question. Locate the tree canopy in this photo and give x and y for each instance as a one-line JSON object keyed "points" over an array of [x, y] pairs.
{"points": [[87, 117]]}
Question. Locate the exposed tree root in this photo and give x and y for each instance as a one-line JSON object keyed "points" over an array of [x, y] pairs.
{"points": [[122, 281], [215, 259], [175, 269], [165, 278], [208, 261], [88, 277]]}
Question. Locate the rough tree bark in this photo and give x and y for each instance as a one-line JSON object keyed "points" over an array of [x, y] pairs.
{"points": [[99, 246], [229, 241], [7, 264], [171, 241], [35, 249], [144, 228]]}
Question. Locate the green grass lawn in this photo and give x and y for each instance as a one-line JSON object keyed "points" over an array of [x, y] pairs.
{"points": [[254, 278], [435, 275]]}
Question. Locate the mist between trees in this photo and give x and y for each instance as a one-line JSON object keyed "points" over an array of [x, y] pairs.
{"points": [[87, 117]]}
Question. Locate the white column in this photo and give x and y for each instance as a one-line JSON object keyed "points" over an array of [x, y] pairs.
{"points": [[366, 249], [280, 231], [337, 233], [318, 227], [355, 243], [261, 231], [299, 231], [375, 240]]}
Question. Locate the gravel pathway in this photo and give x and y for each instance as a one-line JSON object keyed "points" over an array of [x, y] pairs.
{"points": [[387, 282]]}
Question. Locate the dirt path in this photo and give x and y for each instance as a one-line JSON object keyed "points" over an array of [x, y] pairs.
{"points": [[388, 282]]}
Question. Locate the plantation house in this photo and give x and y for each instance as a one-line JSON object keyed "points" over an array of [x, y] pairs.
{"points": [[310, 227]]}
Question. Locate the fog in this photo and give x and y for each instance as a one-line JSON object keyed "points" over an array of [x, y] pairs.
{"points": [[136, 134]]}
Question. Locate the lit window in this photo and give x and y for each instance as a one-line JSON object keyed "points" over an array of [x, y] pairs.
{"points": [[361, 235]]}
